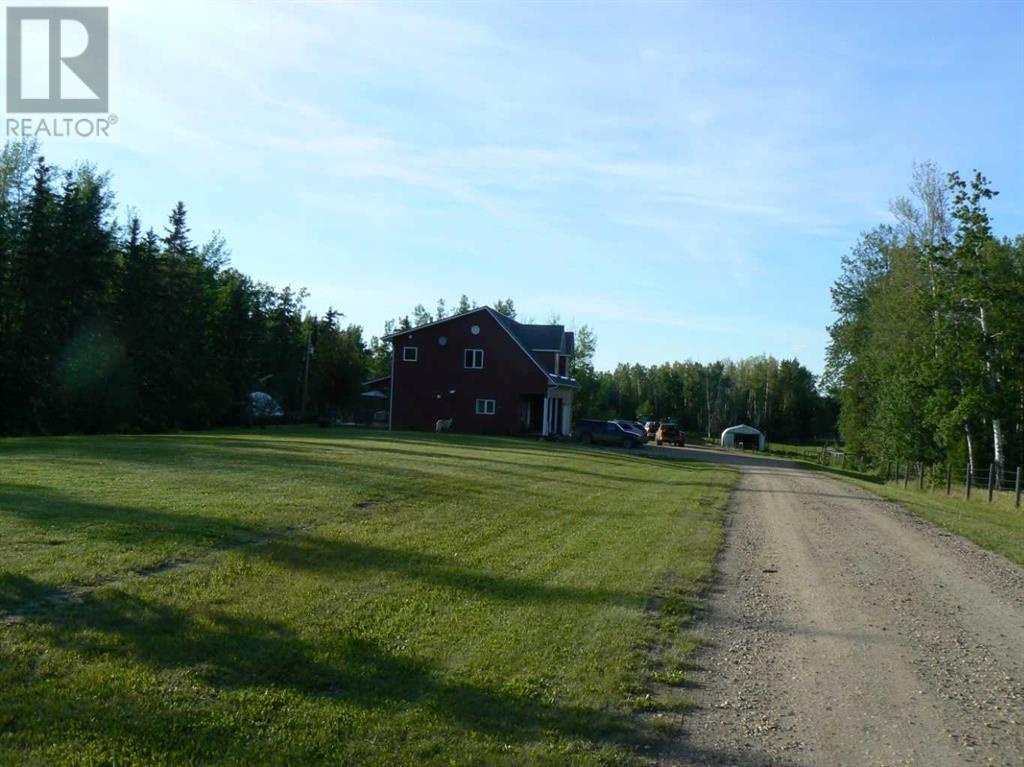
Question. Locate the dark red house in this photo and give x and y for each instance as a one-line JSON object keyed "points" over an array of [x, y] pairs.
{"points": [[486, 372]]}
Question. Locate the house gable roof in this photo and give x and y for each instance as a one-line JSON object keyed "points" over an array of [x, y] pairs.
{"points": [[530, 338], [418, 328]]}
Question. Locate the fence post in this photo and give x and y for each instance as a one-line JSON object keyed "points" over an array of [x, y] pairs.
{"points": [[920, 475], [949, 478], [888, 470], [967, 483], [1017, 488], [991, 480], [906, 475]]}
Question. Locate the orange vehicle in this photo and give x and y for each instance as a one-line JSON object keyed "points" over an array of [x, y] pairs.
{"points": [[672, 434]]}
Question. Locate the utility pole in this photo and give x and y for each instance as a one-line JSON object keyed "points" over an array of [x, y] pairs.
{"points": [[305, 375], [707, 396]]}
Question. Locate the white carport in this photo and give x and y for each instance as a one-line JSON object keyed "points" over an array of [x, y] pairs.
{"points": [[743, 435]]}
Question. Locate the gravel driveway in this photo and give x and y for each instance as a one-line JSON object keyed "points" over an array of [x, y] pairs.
{"points": [[845, 631]]}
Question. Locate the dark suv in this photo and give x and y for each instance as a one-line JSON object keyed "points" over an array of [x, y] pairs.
{"points": [[607, 433]]}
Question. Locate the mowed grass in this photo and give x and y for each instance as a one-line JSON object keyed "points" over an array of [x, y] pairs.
{"points": [[996, 526], [310, 596]]}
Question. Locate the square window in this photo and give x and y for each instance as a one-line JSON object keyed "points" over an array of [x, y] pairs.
{"points": [[485, 407], [474, 358], [410, 353]]}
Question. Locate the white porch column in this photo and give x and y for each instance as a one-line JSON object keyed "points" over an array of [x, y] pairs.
{"points": [[547, 419], [566, 412]]}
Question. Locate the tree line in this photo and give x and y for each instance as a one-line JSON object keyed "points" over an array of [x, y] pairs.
{"points": [[105, 326], [109, 327], [927, 354], [780, 398]]}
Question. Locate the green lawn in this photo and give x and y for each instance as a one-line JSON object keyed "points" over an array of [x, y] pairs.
{"points": [[998, 526], [308, 596]]}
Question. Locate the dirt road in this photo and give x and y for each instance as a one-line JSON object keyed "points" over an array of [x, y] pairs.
{"points": [[845, 631]]}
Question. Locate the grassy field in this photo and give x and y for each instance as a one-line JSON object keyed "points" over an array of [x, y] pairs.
{"points": [[311, 596], [998, 526], [800, 452]]}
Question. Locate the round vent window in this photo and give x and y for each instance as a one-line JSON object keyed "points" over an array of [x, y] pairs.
{"points": [[442, 341], [475, 330]]}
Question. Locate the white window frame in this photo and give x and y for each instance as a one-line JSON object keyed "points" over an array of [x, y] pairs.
{"points": [[473, 367], [486, 406], [415, 353]]}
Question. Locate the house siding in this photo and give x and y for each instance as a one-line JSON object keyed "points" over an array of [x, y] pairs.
{"points": [[421, 390]]}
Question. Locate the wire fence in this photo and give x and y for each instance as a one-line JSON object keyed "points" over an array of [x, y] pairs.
{"points": [[989, 482]]}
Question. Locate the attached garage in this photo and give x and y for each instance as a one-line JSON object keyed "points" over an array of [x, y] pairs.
{"points": [[746, 437]]}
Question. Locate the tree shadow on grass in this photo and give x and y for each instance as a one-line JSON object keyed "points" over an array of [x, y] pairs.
{"points": [[267, 463], [160, 719], [543, 450], [67, 723], [432, 440], [292, 549], [230, 652], [351, 439], [19, 593], [313, 553], [285, 455], [544, 467], [288, 547], [275, 459], [130, 525]]}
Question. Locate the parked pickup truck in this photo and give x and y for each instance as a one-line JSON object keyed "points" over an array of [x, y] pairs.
{"points": [[671, 434]]}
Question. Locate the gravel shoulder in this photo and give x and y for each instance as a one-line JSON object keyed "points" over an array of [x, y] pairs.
{"points": [[844, 630]]}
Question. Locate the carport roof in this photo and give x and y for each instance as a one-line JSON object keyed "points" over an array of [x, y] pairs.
{"points": [[741, 428]]}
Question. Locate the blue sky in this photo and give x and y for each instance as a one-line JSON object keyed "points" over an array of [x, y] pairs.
{"points": [[684, 178]]}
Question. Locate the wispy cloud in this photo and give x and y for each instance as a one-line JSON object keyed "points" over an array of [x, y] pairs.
{"points": [[283, 75], [694, 148]]}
